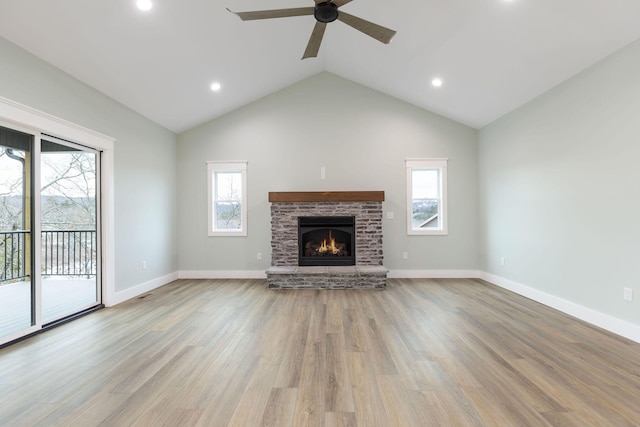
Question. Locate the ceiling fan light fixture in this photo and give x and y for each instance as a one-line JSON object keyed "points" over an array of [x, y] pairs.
{"points": [[326, 12]]}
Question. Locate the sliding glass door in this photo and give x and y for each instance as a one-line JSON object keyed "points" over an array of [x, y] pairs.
{"points": [[69, 229], [49, 231], [17, 288]]}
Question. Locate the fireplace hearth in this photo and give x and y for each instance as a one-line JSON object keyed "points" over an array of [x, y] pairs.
{"points": [[326, 240]]}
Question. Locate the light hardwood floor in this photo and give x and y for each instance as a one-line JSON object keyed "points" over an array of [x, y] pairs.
{"points": [[233, 353]]}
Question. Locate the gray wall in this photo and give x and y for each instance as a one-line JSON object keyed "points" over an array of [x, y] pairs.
{"points": [[559, 183], [361, 136], [145, 161]]}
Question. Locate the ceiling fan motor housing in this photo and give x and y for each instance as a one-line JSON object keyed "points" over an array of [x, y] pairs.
{"points": [[326, 12]]}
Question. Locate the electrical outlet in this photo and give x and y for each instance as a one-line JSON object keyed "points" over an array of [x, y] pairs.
{"points": [[405, 255], [144, 265], [502, 261], [259, 256], [390, 215], [628, 294], [323, 173]]}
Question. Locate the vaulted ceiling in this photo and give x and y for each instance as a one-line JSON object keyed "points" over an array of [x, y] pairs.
{"points": [[492, 55]]}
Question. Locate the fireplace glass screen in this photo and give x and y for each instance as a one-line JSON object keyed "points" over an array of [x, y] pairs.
{"points": [[326, 240]]}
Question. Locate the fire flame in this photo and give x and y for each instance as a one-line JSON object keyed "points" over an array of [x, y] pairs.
{"points": [[331, 247]]}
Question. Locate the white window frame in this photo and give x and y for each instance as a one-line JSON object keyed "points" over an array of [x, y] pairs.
{"points": [[212, 169], [439, 165]]}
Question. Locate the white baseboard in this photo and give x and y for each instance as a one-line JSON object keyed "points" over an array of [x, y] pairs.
{"points": [[223, 274], [604, 321], [138, 290], [434, 274]]}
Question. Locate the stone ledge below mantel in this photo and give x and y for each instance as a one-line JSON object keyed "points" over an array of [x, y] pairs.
{"points": [[321, 277], [326, 196]]}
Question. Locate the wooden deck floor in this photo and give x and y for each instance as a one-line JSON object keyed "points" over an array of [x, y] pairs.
{"points": [[59, 297], [233, 353]]}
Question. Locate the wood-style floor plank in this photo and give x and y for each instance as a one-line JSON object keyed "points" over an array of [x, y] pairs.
{"points": [[428, 352], [279, 408]]}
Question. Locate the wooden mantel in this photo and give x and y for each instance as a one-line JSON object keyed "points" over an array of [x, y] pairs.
{"points": [[326, 196]]}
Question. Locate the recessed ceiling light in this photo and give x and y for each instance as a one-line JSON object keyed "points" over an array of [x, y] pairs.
{"points": [[215, 86], [144, 4], [437, 82]]}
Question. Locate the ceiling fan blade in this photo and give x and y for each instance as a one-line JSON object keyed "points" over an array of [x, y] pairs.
{"points": [[314, 41], [376, 31], [277, 13], [341, 3]]}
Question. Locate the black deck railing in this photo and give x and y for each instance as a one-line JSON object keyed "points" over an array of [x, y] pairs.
{"points": [[69, 253], [64, 253], [12, 255]]}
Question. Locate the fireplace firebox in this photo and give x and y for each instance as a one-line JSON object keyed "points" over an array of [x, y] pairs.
{"points": [[326, 240]]}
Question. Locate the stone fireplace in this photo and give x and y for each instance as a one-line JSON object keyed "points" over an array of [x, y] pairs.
{"points": [[362, 268]]}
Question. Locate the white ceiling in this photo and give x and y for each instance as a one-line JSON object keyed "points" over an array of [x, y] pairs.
{"points": [[493, 55]]}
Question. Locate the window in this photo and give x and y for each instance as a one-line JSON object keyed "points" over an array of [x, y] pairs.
{"points": [[227, 198], [426, 196]]}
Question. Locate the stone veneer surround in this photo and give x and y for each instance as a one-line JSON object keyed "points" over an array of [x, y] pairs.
{"points": [[366, 207], [284, 228]]}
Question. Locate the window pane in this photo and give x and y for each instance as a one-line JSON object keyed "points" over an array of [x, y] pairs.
{"points": [[227, 206], [425, 214], [425, 184], [426, 196], [228, 215], [229, 186]]}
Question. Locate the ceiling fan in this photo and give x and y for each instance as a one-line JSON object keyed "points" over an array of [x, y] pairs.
{"points": [[324, 12]]}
